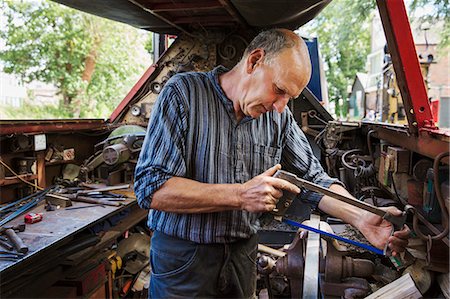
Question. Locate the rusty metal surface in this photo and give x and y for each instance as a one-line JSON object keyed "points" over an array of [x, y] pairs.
{"points": [[352, 287], [426, 143], [58, 226], [338, 266], [47, 126], [292, 265]]}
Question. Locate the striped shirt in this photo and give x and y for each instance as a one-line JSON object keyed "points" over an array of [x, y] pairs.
{"points": [[193, 133]]}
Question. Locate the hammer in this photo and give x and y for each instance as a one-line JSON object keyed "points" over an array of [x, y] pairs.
{"points": [[10, 231]]}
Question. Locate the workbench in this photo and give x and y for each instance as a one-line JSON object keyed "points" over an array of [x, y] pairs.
{"points": [[60, 234]]}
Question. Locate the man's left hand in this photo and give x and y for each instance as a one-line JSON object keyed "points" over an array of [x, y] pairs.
{"points": [[378, 231]]}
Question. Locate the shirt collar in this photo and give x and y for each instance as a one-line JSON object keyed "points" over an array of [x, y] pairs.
{"points": [[214, 76]]}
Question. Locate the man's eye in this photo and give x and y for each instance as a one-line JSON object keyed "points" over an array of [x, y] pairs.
{"points": [[279, 91]]}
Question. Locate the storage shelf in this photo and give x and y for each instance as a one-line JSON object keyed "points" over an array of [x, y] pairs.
{"points": [[15, 180], [59, 162]]}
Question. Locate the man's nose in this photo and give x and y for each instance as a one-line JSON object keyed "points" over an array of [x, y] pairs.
{"points": [[280, 103]]}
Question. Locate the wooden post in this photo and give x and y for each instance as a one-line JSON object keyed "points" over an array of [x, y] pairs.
{"points": [[40, 168]]}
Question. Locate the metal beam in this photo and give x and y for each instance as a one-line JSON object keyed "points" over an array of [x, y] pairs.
{"points": [[235, 14], [205, 5], [159, 16], [207, 20]]}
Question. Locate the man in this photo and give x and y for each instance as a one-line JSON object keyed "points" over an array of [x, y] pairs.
{"points": [[205, 172]]}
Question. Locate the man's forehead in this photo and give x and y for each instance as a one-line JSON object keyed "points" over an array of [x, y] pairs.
{"points": [[290, 79]]}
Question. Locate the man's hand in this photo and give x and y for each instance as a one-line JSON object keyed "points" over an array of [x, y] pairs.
{"points": [[262, 193], [378, 231]]}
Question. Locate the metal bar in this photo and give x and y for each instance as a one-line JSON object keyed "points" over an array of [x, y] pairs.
{"points": [[348, 241], [311, 271], [406, 64], [235, 14], [18, 127], [204, 5], [159, 16], [105, 189], [25, 207], [217, 19]]}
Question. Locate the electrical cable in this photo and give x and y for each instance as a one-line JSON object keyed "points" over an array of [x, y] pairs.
{"points": [[19, 177], [444, 211], [369, 145]]}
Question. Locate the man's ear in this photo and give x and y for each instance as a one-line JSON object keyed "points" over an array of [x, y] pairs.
{"points": [[253, 59]]}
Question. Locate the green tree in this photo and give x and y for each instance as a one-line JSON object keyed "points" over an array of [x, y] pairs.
{"points": [[440, 12], [92, 61], [343, 31]]}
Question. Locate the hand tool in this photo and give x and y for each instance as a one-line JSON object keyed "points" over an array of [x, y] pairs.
{"points": [[83, 207], [13, 238], [80, 198], [397, 221], [6, 245], [105, 189]]}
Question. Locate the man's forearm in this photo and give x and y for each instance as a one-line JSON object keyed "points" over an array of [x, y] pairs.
{"points": [[348, 213], [181, 195]]}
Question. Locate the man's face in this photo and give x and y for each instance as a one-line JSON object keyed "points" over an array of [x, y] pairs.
{"points": [[272, 85]]}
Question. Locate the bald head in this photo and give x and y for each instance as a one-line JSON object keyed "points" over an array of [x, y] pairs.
{"points": [[275, 41]]}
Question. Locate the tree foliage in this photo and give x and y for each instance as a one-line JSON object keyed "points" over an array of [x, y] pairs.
{"points": [[440, 12], [343, 31], [92, 61]]}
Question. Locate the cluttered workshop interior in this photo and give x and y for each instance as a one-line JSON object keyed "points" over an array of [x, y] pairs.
{"points": [[70, 223]]}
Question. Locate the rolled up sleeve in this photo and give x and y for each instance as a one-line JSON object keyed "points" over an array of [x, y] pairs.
{"points": [[298, 158], [163, 151]]}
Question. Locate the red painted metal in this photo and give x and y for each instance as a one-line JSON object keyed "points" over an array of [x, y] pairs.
{"points": [[124, 104], [48, 126], [406, 64]]}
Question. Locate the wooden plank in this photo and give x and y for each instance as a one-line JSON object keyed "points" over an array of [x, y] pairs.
{"points": [[311, 272], [403, 287], [9, 180]]}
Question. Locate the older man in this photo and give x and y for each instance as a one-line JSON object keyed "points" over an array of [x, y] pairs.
{"points": [[205, 172]]}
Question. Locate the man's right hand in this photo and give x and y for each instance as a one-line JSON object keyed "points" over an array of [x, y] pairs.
{"points": [[262, 193]]}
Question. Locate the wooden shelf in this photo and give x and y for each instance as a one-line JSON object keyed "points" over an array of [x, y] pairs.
{"points": [[59, 162], [14, 180]]}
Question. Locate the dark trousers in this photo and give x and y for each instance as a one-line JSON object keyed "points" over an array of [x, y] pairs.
{"points": [[182, 268]]}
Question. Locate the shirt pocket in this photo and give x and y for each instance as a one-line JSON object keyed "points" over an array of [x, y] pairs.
{"points": [[265, 157]]}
